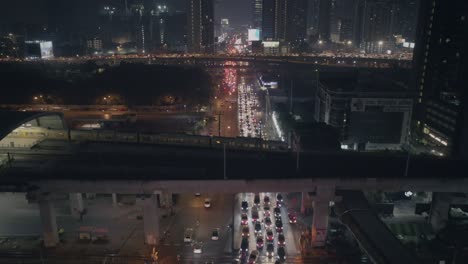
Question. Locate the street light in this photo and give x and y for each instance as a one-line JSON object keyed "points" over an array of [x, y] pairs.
{"points": [[349, 42], [320, 42]]}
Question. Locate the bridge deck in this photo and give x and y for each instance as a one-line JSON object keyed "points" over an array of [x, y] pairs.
{"points": [[157, 162]]}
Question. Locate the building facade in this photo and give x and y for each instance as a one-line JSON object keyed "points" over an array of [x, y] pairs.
{"points": [[200, 26], [367, 119], [257, 13], [441, 69]]}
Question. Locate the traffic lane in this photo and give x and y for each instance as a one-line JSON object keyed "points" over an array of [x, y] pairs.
{"points": [[218, 216]]}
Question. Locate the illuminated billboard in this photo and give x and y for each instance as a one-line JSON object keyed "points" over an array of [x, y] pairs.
{"points": [[46, 50], [254, 34], [39, 49], [271, 44]]}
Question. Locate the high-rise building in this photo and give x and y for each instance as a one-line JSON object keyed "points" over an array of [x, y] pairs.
{"points": [[297, 24], [268, 19], [376, 23], [405, 19], [176, 31], [200, 31], [312, 17], [257, 7], [441, 67], [94, 45], [324, 9], [275, 19], [343, 17], [284, 20]]}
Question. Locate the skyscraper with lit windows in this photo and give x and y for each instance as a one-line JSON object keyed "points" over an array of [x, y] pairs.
{"points": [[200, 30], [441, 68]]}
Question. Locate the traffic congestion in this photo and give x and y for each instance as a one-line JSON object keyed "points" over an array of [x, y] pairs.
{"points": [[250, 124], [266, 229]]}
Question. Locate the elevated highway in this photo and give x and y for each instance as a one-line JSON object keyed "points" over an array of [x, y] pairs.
{"points": [[139, 168]]}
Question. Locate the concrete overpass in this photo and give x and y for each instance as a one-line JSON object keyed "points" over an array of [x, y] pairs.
{"points": [[151, 170], [206, 60]]}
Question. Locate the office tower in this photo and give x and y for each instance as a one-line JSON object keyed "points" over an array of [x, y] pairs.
{"points": [[324, 10], [200, 18], [312, 17], [275, 19], [376, 26], [297, 24], [257, 7], [268, 19], [440, 63], [377, 20], [284, 20], [405, 19], [176, 31]]}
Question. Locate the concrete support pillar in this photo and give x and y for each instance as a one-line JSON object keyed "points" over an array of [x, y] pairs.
{"points": [[115, 201], [169, 199], [320, 223], [48, 221], [76, 204], [321, 212], [306, 203], [151, 219], [440, 210]]}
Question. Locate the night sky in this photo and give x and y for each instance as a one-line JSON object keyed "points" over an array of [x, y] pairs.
{"points": [[41, 11]]}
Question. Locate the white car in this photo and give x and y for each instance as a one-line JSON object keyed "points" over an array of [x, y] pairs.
{"points": [[215, 234], [207, 203], [188, 235], [197, 248]]}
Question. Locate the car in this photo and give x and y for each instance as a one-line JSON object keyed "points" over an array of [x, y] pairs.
{"points": [[281, 240], [278, 219], [279, 227], [281, 253], [269, 235], [215, 234], [244, 245], [253, 257], [270, 250], [277, 211], [245, 231], [258, 228], [267, 221], [254, 215], [266, 213], [259, 242], [266, 207], [198, 248], [245, 205], [207, 203], [244, 219], [292, 218], [257, 199], [279, 198], [188, 235], [197, 194]]}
